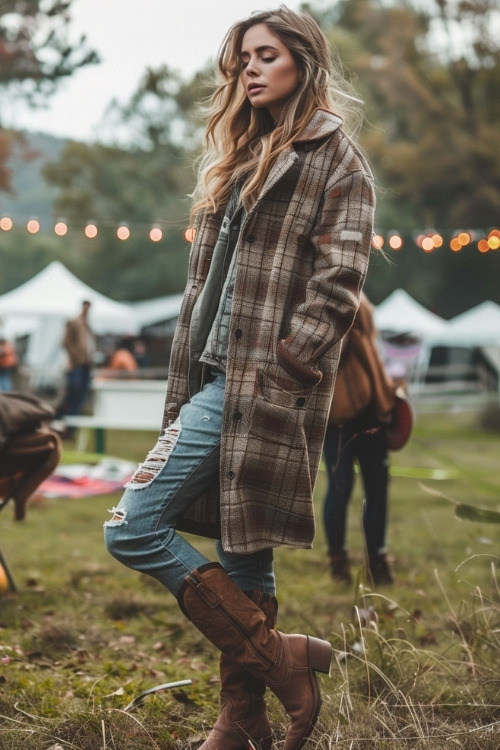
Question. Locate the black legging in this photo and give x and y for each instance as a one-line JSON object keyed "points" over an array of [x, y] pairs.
{"points": [[343, 445]]}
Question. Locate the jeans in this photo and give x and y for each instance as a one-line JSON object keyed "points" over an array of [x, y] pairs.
{"points": [[185, 461], [343, 445], [77, 390]]}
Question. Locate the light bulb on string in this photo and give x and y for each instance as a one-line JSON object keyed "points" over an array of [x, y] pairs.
{"points": [[6, 223], [395, 241], [494, 239], [155, 233], [428, 245], [123, 232], [61, 228], [190, 234], [91, 230], [33, 226]]}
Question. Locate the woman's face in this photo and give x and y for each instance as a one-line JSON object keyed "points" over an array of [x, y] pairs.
{"points": [[270, 74]]}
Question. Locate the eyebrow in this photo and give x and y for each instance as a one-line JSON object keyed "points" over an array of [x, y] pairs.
{"points": [[263, 48]]}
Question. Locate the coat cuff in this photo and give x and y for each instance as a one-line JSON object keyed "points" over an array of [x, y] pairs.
{"points": [[298, 370]]}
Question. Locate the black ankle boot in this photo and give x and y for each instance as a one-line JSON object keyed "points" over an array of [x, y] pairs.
{"points": [[379, 570], [339, 566]]}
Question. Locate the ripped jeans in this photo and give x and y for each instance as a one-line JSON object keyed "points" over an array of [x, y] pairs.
{"points": [[141, 533]]}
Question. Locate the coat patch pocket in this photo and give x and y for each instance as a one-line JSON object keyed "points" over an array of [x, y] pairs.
{"points": [[278, 414]]}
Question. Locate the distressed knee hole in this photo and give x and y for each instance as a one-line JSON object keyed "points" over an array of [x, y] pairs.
{"points": [[119, 517], [156, 458]]}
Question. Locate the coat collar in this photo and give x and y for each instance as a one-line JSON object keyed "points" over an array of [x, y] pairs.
{"points": [[322, 123]]}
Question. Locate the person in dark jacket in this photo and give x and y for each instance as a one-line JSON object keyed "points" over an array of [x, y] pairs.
{"points": [[283, 221]]}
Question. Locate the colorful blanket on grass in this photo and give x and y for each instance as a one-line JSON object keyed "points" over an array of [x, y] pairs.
{"points": [[82, 480]]}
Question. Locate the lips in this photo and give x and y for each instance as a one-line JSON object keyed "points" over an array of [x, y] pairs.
{"points": [[255, 88]]}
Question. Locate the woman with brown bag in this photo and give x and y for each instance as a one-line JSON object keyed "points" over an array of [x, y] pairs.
{"points": [[363, 401]]}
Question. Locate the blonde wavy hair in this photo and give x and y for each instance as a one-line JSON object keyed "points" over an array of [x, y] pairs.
{"points": [[242, 142]]}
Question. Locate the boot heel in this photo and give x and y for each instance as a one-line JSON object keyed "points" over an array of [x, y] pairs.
{"points": [[320, 654]]}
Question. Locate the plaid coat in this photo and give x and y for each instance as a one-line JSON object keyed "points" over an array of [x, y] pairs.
{"points": [[302, 257]]}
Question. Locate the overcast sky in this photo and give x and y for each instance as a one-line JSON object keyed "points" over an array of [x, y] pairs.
{"points": [[129, 36]]}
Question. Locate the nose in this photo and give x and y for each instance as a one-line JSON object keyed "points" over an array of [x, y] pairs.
{"points": [[252, 68]]}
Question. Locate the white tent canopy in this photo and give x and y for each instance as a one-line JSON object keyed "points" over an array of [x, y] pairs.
{"points": [[479, 326], [399, 313], [51, 298], [56, 292], [158, 310]]}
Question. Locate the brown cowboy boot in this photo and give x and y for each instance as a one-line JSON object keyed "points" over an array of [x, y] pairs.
{"points": [[243, 714], [236, 626]]}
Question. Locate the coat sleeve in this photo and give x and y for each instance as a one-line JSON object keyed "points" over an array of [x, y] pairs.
{"points": [[341, 243]]}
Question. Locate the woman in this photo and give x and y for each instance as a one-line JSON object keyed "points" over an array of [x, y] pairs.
{"points": [[283, 219], [361, 410]]}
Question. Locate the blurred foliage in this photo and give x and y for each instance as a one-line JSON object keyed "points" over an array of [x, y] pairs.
{"points": [[35, 47], [428, 74], [36, 53]]}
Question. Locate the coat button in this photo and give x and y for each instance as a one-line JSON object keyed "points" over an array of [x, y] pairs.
{"points": [[237, 415], [300, 401], [238, 333], [230, 475], [250, 238]]}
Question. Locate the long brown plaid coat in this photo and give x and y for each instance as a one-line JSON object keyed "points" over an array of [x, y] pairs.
{"points": [[302, 257]]}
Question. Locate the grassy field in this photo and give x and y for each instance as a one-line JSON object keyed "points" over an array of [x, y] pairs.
{"points": [[84, 636]]}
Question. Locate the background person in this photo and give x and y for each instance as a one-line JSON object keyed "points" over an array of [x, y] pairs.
{"points": [[363, 400], [79, 343], [141, 353], [122, 360], [8, 363], [283, 218]]}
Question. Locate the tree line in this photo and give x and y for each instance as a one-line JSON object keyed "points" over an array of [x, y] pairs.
{"points": [[428, 73]]}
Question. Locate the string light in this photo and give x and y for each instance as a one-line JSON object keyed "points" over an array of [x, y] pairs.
{"points": [[494, 239], [428, 245], [395, 241], [155, 234], [33, 226], [91, 231], [123, 232], [464, 238], [427, 240], [61, 228], [6, 223]]}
